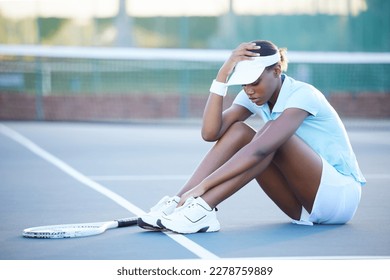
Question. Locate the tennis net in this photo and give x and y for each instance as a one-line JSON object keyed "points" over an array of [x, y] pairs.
{"points": [[163, 74]]}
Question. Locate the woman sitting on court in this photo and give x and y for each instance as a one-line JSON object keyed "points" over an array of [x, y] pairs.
{"points": [[302, 157]]}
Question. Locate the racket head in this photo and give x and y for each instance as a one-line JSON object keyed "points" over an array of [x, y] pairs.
{"points": [[68, 230]]}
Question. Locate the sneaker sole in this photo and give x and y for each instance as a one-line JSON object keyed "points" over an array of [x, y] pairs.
{"points": [[204, 229], [147, 226]]}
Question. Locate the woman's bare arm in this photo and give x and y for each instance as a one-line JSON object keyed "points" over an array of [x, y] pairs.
{"points": [[265, 143]]}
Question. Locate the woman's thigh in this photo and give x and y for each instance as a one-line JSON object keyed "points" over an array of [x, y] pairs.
{"points": [[293, 177]]}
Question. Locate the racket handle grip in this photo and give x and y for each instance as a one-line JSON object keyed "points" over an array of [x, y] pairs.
{"points": [[127, 222]]}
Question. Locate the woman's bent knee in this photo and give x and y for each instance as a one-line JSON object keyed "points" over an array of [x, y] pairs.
{"points": [[239, 132]]}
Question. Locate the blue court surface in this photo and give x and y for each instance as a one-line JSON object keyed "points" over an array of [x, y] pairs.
{"points": [[58, 172]]}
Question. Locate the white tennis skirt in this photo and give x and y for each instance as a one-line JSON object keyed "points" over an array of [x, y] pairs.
{"points": [[337, 198]]}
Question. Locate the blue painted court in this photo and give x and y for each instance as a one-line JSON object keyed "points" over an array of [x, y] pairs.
{"points": [[56, 172]]}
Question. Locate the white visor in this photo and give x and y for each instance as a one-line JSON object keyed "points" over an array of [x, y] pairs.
{"points": [[248, 71]]}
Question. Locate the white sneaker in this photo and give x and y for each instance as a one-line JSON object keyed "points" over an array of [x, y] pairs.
{"points": [[165, 206], [194, 216]]}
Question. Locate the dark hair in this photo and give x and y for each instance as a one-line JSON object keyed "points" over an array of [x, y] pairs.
{"points": [[269, 48]]}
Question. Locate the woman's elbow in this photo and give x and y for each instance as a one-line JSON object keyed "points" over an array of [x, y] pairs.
{"points": [[209, 136]]}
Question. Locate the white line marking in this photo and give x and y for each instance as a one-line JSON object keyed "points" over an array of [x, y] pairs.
{"points": [[182, 240], [139, 177]]}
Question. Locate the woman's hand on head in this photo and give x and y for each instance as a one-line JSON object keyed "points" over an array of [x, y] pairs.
{"points": [[243, 52]]}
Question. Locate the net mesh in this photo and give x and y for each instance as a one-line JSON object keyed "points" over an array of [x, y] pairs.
{"points": [[164, 74]]}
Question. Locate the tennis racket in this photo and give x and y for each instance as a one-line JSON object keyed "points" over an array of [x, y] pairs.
{"points": [[77, 230]]}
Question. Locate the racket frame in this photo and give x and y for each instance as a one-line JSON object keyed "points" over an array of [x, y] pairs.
{"points": [[76, 230]]}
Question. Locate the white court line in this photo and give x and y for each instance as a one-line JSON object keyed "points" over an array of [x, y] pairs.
{"points": [[17, 137]]}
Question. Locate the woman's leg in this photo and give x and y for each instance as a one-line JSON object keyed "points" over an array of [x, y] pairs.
{"points": [[290, 177], [300, 168], [236, 137]]}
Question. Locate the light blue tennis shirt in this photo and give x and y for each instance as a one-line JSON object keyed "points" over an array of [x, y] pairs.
{"points": [[322, 129]]}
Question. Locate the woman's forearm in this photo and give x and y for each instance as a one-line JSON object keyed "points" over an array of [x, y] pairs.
{"points": [[212, 115], [212, 118]]}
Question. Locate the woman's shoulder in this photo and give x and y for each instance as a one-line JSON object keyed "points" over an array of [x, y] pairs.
{"points": [[296, 85], [302, 89]]}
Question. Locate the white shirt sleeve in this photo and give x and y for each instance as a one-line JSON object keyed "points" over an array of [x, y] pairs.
{"points": [[305, 98]]}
